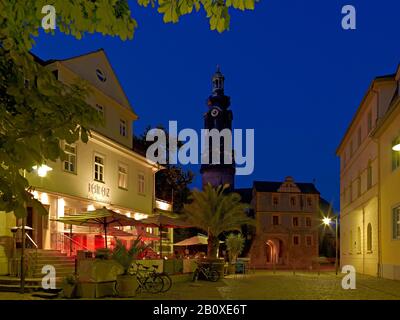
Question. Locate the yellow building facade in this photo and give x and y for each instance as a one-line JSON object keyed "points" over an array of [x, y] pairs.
{"points": [[103, 172], [365, 231], [387, 135]]}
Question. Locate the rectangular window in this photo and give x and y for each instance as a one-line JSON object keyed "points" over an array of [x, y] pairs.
{"points": [[122, 176], [309, 241], [275, 220], [141, 183], [69, 164], [395, 155], [122, 128], [295, 221], [292, 201], [275, 201], [309, 202], [308, 221], [99, 168], [396, 223], [296, 240]]}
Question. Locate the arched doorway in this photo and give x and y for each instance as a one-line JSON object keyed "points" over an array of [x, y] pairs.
{"points": [[274, 249]]}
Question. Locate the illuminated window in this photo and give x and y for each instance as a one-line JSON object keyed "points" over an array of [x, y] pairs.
{"points": [[123, 176], [99, 168], [122, 128], [296, 240], [395, 155], [141, 183], [69, 164], [308, 221]]}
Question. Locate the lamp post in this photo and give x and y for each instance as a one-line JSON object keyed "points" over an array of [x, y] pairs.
{"points": [[327, 221]]}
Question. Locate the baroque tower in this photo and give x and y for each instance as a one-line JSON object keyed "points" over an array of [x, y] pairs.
{"points": [[219, 117]]}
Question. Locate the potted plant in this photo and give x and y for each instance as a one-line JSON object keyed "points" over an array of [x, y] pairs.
{"points": [[69, 285], [127, 283], [234, 244]]}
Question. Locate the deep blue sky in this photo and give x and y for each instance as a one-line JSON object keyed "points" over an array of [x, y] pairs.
{"points": [[293, 74]]}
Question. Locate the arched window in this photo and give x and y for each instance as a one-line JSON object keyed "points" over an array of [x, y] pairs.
{"points": [[358, 240], [369, 238]]}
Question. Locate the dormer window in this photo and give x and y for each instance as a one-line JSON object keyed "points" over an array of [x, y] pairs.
{"points": [[122, 128]]}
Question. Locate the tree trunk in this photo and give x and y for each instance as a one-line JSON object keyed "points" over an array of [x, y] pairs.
{"points": [[213, 246]]}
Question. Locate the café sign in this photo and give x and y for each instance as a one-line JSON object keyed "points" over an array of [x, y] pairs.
{"points": [[98, 192]]}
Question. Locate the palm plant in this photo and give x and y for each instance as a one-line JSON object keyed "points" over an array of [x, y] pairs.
{"points": [[124, 256], [215, 211], [234, 244]]}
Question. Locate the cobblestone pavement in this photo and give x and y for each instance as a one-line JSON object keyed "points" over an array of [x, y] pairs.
{"points": [[265, 285]]}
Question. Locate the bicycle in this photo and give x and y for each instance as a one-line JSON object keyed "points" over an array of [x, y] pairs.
{"points": [[207, 272], [165, 276], [148, 281]]}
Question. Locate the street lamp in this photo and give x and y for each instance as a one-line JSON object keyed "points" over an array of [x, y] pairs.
{"points": [[327, 221]]}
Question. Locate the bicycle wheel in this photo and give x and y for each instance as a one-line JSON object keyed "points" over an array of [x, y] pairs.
{"points": [[154, 284], [214, 276], [167, 281]]}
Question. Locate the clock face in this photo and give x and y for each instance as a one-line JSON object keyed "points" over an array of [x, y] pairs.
{"points": [[214, 112]]}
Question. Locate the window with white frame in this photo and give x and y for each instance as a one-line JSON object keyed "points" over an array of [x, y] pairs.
{"points": [[99, 168], [122, 176], [396, 223], [69, 163], [141, 183], [122, 128]]}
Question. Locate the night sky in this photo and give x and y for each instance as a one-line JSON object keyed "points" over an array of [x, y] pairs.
{"points": [[293, 74]]}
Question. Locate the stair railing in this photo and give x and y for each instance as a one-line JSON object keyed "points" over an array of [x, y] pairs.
{"points": [[31, 262], [76, 243]]}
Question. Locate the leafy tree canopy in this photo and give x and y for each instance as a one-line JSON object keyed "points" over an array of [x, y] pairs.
{"points": [[36, 110]]}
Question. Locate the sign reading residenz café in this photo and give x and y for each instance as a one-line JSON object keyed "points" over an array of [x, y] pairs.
{"points": [[98, 192]]}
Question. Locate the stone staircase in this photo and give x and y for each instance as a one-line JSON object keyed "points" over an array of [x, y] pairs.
{"points": [[63, 264]]}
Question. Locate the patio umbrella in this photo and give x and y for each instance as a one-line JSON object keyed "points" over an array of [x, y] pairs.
{"points": [[103, 217], [200, 239], [163, 221]]}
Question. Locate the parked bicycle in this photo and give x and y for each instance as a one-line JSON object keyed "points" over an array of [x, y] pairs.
{"points": [[166, 278], [148, 281], [207, 272]]}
